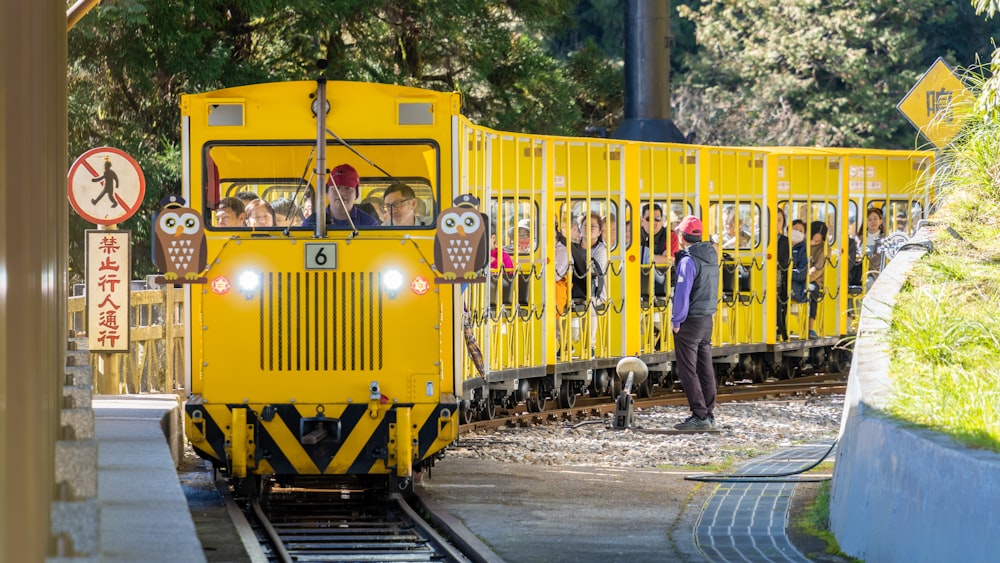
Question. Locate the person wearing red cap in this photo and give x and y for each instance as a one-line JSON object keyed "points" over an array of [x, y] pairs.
{"points": [[696, 298], [342, 192]]}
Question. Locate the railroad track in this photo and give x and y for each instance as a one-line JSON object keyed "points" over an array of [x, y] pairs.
{"points": [[307, 523], [587, 408]]}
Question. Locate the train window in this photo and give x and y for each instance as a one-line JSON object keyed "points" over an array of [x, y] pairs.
{"points": [[580, 210], [809, 211], [396, 209], [852, 219], [902, 216], [282, 174], [517, 225], [735, 225]]}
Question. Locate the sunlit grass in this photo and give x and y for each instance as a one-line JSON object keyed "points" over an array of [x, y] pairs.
{"points": [[945, 334]]}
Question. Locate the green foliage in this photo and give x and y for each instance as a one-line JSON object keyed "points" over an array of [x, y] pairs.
{"points": [[816, 73], [130, 60]]}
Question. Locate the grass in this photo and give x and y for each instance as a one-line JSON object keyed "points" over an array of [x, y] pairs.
{"points": [[815, 521], [945, 333]]}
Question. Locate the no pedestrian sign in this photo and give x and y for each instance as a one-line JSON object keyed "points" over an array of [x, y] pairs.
{"points": [[106, 186]]}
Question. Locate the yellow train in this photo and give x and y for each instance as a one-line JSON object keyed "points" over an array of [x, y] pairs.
{"points": [[333, 350]]}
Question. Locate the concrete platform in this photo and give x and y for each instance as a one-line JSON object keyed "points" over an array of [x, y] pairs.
{"points": [[144, 514], [573, 514], [601, 514]]}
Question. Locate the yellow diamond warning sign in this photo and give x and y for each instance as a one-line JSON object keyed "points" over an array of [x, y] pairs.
{"points": [[937, 104]]}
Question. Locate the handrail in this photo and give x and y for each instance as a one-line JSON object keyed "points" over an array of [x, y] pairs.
{"points": [[155, 360]]}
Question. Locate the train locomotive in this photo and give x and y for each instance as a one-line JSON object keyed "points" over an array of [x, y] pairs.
{"points": [[325, 351], [340, 351]]}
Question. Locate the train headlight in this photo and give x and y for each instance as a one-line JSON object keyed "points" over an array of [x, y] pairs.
{"points": [[249, 283], [392, 280]]}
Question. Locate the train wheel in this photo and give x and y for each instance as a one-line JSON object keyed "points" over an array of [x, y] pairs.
{"points": [[788, 368], [536, 399], [599, 384], [567, 395], [466, 413], [488, 410], [757, 371], [645, 389]]}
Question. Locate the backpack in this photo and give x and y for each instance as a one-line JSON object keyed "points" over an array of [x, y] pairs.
{"points": [[580, 269]]}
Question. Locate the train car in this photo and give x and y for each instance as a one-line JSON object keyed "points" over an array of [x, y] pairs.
{"points": [[539, 186], [328, 350], [339, 351]]}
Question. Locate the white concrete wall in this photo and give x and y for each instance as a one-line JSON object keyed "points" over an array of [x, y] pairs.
{"points": [[904, 494]]}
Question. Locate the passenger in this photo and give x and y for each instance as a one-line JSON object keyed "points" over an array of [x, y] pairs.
{"points": [[523, 236], [901, 225], [423, 213], [854, 253], [562, 263], [259, 214], [378, 204], [342, 191], [784, 259], [729, 235], [286, 214], [599, 253], [874, 233], [653, 245], [246, 197], [400, 206], [695, 302], [496, 252], [230, 212], [611, 231], [651, 228], [817, 269], [307, 203], [368, 208], [597, 267]]}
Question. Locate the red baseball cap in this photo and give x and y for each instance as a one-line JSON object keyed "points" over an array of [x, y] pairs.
{"points": [[690, 225], [344, 175]]}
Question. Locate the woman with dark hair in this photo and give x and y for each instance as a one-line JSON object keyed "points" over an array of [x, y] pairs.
{"points": [[874, 233]]}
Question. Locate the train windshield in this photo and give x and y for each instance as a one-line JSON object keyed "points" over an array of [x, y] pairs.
{"points": [[271, 185]]}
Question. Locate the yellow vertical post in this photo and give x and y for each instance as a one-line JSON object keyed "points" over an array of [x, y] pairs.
{"points": [[404, 445], [238, 443]]}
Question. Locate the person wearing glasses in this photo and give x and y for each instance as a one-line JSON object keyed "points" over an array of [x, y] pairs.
{"points": [[342, 191], [400, 206], [655, 243]]}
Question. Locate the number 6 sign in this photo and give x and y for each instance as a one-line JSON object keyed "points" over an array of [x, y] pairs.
{"points": [[321, 256]]}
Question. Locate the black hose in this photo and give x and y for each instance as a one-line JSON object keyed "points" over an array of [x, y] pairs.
{"points": [[768, 477]]}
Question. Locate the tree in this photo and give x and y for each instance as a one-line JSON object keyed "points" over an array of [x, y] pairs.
{"points": [[811, 72], [130, 60]]}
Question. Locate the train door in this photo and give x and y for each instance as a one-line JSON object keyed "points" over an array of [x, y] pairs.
{"points": [[812, 199], [735, 217]]}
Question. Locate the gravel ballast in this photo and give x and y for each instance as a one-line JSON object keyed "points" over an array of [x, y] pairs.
{"points": [[745, 430]]}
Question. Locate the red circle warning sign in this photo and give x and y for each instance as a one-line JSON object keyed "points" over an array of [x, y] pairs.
{"points": [[106, 186]]}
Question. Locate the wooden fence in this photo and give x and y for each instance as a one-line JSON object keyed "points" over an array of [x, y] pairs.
{"points": [[154, 362]]}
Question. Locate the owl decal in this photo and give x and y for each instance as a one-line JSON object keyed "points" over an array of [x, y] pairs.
{"points": [[179, 248], [461, 244]]}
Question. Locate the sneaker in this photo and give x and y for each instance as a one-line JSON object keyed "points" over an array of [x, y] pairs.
{"points": [[812, 334], [711, 420], [694, 423]]}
